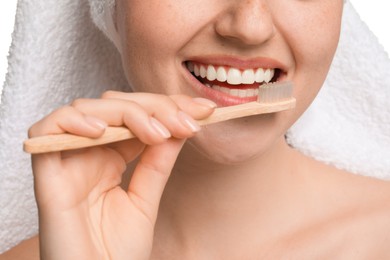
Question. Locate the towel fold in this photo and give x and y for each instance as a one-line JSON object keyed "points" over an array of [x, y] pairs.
{"points": [[58, 54]]}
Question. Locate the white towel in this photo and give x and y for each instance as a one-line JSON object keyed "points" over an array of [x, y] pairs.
{"points": [[58, 54], [348, 124]]}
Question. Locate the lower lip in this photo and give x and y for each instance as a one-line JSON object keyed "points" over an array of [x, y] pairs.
{"points": [[220, 98]]}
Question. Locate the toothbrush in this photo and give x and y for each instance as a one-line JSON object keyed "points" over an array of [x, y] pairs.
{"points": [[273, 97]]}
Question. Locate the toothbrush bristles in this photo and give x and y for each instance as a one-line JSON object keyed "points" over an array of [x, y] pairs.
{"points": [[274, 92]]}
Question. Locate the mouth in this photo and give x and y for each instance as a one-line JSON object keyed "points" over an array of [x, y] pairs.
{"points": [[229, 84]]}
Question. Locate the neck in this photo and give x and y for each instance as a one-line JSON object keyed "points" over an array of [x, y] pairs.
{"points": [[204, 200]]}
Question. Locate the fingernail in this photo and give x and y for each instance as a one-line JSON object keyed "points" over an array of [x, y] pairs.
{"points": [[189, 122], [162, 130], [96, 122], [205, 102]]}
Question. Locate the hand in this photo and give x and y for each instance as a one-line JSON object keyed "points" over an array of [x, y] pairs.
{"points": [[83, 212]]}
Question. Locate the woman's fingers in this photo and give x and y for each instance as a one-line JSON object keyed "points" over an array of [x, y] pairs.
{"points": [[152, 118], [118, 108], [151, 175], [139, 120], [150, 125], [92, 116], [68, 119], [182, 108], [197, 108]]}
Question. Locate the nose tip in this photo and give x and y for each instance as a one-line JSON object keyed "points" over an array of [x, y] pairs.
{"points": [[249, 22]]}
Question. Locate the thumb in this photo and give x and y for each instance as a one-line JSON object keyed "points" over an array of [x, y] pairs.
{"points": [[151, 175]]}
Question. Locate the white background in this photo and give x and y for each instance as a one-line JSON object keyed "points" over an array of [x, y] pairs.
{"points": [[376, 13]]}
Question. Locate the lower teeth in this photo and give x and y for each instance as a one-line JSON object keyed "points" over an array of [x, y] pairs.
{"points": [[236, 92]]}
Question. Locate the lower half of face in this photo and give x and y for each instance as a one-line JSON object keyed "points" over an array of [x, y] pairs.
{"points": [[224, 50]]}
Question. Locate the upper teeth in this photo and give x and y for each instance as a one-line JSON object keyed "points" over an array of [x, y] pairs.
{"points": [[233, 76]]}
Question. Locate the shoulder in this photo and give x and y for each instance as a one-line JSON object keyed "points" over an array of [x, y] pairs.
{"points": [[355, 218], [26, 250], [373, 226], [365, 226], [366, 223], [358, 233], [367, 232]]}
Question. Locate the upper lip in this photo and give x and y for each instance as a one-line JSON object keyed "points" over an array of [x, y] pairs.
{"points": [[238, 62]]}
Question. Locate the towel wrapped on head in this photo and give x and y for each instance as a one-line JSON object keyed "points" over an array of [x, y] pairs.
{"points": [[58, 55], [102, 13]]}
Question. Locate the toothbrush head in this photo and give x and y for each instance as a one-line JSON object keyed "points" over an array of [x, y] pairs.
{"points": [[275, 92]]}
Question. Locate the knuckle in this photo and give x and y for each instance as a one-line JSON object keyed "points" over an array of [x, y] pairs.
{"points": [[129, 107], [31, 131], [178, 97], [78, 102], [169, 102], [63, 111], [109, 94], [181, 101]]}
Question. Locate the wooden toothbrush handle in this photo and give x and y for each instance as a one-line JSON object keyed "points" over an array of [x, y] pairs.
{"points": [[63, 142]]}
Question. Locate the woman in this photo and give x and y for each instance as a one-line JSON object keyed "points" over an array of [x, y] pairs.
{"points": [[233, 190]]}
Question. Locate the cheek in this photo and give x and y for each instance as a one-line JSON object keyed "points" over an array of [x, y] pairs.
{"points": [[312, 35], [314, 42], [313, 32], [153, 33], [156, 27]]}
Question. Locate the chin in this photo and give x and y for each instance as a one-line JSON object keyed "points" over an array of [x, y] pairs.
{"points": [[229, 156], [230, 147]]}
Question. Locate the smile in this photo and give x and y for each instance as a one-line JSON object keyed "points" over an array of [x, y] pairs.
{"points": [[235, 82]]}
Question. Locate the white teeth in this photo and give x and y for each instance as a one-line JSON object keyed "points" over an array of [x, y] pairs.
{"points": [[211, 73], [259, 75], [248, 77], [236, 92], [196, 70], [268, 75], [203, 71], [221, 74], [232, 76], [242, 93], [251, 92]]}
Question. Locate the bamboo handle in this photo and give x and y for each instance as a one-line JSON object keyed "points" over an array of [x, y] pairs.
{"points": [[62, 142]]}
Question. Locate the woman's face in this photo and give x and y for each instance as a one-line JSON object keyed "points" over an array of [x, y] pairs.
{"points": [[168, 43]]}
